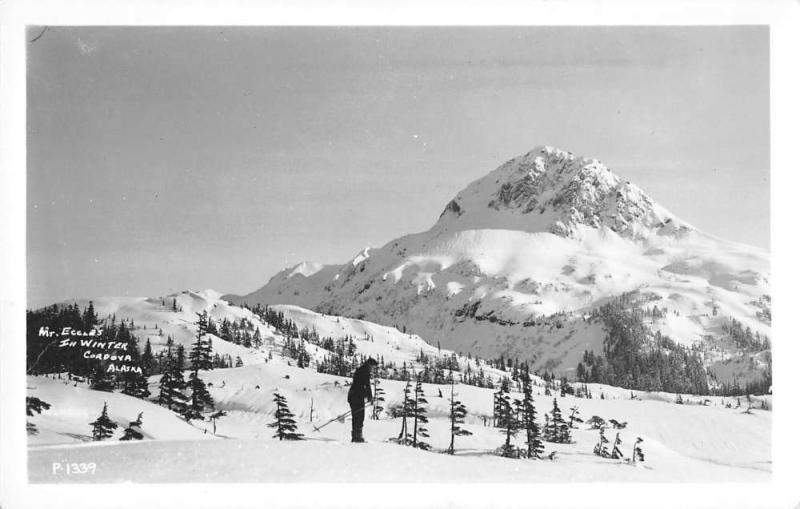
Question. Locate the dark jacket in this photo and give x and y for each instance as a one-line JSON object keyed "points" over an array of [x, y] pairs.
{"points": [[362, 385]]}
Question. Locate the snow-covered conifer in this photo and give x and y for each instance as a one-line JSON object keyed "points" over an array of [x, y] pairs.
{"points": [[103, 427], [134, 429], [404, 412], [532, 430], [573, 416], [458, 411], [419, 411], [601, 449], [172, 384], [616, 453], [34, 405], [284, 423], [638, 455], [507, 420], [596, 422], [213, 418], [199, 358], [378, 398]]}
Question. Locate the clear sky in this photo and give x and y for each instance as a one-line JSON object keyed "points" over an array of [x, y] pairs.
{"points": [[161, 159]]}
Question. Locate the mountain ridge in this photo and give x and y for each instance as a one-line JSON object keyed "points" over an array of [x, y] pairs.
{"points": [[545, 233]]}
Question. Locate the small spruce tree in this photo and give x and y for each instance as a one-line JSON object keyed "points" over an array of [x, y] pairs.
{"points": [[532, 429], [573, 416], [134, 429], [148, 361], [284, 423], [199, 400], [103, 427], [100, 379], [507, 420], [458, 411], [199, 358], [213, 418], [135, 384], [420, 418], [499, 398], [559, 429], [638, 455], [601, 449], [596, 422], [172, 384], [616, 453], [404, 412], [378, 398], [34, 405]]}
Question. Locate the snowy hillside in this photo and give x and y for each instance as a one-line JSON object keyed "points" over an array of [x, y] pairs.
{"points": [[689, 442], [520, 257], [155, 320], [74, 406], [703, 439]]}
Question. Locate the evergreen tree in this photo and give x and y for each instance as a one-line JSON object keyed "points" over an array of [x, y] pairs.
{"points": [[180, 359], [420, 418], [573, 416], [199, 358], [284, 424], [601, 449], [135, 384], [378, 399], [507, 420], [559, 430], [201, 354], [616, 453], [552, 430], [458, 411], [148, 361], [404, 412], [89, 317], [100, 380], [103, 427], [532, 430], [213, 418], [172, 384], [199, 400], [34, 405], [638, 455], [134, 429], [596, 422], [499, 398]]}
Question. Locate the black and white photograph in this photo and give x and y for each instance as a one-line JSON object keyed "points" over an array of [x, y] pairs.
{"points": [[516, 254]]}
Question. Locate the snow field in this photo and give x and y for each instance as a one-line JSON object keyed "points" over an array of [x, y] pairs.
{"points": [[681, 442]]}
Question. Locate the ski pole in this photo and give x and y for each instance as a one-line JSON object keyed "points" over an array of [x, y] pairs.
{"points": [[317, 428]]}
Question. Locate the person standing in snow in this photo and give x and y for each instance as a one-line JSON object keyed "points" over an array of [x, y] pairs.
{"points": [[360, 390]]}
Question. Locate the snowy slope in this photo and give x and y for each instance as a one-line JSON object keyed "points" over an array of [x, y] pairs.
{"points": [[380, 341], [545, 233], [74, 406], [682, 442], [690, 442], [156, 321]]}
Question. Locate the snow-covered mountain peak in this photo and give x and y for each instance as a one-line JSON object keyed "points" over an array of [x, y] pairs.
{"points": [[361, 256], [552, 190], [305, 269]]}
